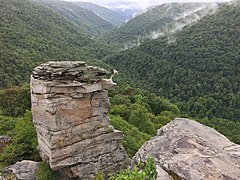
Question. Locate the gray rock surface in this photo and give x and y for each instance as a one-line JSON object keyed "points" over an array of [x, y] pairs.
{"points": [[24, 170], [4, 140], [186, 149], [70, 105]]}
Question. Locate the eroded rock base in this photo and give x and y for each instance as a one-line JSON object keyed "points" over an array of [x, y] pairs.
{"points": [[70, 105]]}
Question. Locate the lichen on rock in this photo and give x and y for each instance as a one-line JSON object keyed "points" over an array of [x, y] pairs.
{"points": [[186, 149], [70, 108]]}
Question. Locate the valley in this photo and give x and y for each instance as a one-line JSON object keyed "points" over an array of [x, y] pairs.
{"points": [[174, 60]]}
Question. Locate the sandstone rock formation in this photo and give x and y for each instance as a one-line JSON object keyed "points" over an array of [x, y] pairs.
{"points": [[70, 105], [185, 149], [24, 170]]}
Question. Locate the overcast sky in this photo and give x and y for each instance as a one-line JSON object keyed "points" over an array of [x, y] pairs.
{"points": [[137, 3]]}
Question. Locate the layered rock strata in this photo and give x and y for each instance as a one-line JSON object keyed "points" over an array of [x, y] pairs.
{"points": [[186, 149], [70, 105]]}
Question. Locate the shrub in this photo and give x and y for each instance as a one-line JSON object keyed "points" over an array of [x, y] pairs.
{"points": [[46, 173], [24, 142], [139, 172]]}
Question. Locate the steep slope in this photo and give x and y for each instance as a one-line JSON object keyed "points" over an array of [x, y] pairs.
{"points": [[162, 20], [116, 18], [87, 20], [200, 71], [31, 34]]}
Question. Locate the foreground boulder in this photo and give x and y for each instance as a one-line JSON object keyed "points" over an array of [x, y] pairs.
{"points": [[186, 149], [24, 170], [70, 108]]}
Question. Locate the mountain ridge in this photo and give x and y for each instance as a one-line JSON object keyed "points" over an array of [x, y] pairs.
{"points": [[114, 17], [199, 71], [86, 19], [162, 20], [31, 33]]}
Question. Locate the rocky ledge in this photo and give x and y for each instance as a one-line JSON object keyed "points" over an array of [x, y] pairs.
{"points": [[70, 105], [24, 170], [186, 149]]}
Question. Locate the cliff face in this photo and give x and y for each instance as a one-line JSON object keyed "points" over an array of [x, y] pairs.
{"points": [[70, 105], [185, 149]]}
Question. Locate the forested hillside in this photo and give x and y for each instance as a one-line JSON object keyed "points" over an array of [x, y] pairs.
{"points": [[200, 71], [195, 76], [86, 19], [31, 34], [161, 20], [116, 18]]}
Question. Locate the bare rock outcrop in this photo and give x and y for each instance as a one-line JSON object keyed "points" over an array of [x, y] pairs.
{"points": [[186, 149], [70, 105], [24, 170], [4, 140]]}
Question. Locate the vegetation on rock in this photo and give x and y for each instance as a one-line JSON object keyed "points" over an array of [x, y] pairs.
{"points": [[46, 173], [140, 171]]}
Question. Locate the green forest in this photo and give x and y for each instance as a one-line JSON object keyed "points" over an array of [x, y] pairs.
{"points": [[200, 71], [164, 20], [196, 76], [157, 18], [113, 17], [32, 34], [85, 19]]}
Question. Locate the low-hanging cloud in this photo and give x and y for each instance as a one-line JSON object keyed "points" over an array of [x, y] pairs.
{"points": [[180, 20], [183, 19]]}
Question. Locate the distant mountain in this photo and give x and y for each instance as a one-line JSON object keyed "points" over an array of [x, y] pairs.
{"points": [[31, 34], [86, 19], [158, 21], [126, 13], [127, 8], [200, 70], [116, 18]]}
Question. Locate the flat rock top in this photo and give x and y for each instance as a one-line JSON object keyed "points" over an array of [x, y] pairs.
{"points": [[68, 70], [189, 150]]}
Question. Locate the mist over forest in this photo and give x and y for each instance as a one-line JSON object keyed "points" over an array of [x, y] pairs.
{"points": [[174, 60]]}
